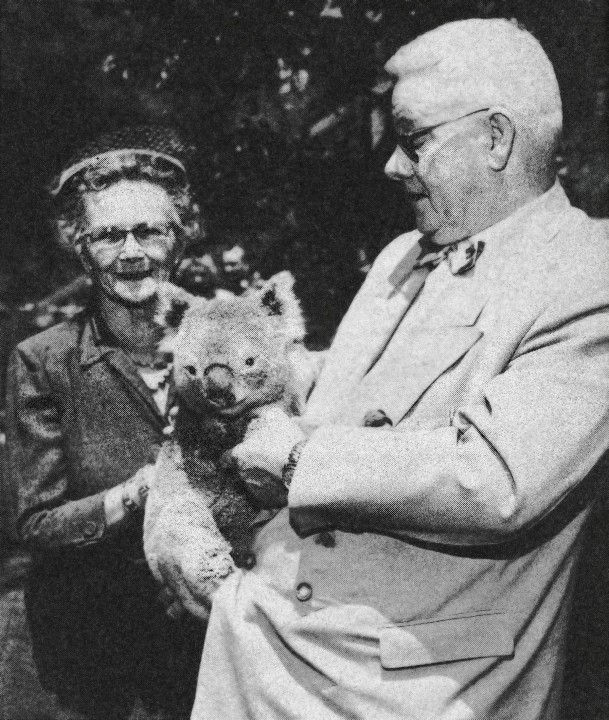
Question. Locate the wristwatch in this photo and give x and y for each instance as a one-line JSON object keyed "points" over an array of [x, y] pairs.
{"points": [[130, 505], [290, 466]]}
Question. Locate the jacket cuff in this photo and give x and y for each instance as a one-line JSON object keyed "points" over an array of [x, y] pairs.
{"points": [[76, 523], [308, 517]]}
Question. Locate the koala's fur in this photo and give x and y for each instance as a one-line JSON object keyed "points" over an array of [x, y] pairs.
{"points": [[230, 356]]}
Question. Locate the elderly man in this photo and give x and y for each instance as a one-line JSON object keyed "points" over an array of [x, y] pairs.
{"points": [[422, 567]]}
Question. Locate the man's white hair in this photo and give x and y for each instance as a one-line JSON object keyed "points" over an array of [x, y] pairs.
{"points": [[473, 64]]}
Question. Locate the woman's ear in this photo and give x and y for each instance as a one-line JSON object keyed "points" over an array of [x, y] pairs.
{"points": [[503, 134], [192, 233], [193, 228], [82, 254], [66, 234]]}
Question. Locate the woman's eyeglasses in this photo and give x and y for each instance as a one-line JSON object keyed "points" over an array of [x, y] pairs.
{"points": [[407, 141], [148, 237]]}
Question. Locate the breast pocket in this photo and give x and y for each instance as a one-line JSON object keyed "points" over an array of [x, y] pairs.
{"points": [[463, 637]]}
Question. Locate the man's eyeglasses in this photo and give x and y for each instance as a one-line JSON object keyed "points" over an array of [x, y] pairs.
{"points": [[407, 141], [113, 239]]}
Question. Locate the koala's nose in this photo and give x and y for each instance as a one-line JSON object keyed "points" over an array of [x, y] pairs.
{"points": [[219, 384]]}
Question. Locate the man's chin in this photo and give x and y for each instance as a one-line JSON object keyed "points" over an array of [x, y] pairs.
{"points": [[441, 235], [429, 229], [426, 220]]}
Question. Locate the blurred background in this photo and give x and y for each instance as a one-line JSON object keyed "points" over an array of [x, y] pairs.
{"points": [[287, 106]]}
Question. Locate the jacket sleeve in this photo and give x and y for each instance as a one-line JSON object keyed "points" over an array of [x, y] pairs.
{"points": [[37, 463], [502, 464]]}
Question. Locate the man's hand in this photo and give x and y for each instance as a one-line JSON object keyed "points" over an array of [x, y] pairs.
{"points": [[261, 457]]}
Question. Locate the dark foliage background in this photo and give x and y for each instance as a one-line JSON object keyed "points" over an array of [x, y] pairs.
{"points": [[287, 103]]}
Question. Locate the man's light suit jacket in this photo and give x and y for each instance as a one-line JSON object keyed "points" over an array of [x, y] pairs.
{"points": [[429, 573]]}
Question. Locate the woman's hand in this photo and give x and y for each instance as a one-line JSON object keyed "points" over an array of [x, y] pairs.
{"points": [[135, 490], [126, 499], [261, 457]]}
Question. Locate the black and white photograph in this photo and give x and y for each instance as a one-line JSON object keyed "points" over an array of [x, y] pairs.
{"points": [[304, 360]]}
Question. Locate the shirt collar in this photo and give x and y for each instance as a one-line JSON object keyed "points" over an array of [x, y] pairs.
{"points": [[95, 343]]}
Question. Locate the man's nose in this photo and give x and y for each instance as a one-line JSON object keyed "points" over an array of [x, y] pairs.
{"points": [[131, 247], [399, 165]]}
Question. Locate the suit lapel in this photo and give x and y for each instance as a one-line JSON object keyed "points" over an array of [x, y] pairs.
{"points": [[94, 349], [410, 358], [366, 328], [417, 355]]}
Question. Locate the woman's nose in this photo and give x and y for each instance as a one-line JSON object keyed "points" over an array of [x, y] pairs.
{"points": [[399, 165], [131, 247]]}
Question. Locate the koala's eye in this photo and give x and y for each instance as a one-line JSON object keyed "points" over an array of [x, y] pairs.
{"points": [[250, 361]]}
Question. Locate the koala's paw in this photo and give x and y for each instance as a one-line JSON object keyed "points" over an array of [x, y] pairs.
{"points": [[207, 565], [197, 601], [193, 568]]}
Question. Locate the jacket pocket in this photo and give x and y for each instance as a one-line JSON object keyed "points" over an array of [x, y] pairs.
{"points": [[443, 640]]}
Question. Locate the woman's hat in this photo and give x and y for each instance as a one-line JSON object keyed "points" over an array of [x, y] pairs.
{"points": [[151, 140]]}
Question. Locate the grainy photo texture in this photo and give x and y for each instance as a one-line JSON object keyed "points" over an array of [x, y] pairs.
{"points": [[304, 360]]}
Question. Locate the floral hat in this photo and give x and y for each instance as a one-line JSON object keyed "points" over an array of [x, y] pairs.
{"points": [[153, 141]]}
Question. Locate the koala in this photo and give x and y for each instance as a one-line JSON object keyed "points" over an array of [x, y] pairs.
{"points": [[231, 356]]}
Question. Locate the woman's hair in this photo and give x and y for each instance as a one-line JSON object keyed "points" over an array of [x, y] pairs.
{"points": [[111, 169]]}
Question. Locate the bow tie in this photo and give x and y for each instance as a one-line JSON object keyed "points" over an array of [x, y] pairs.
{"points": [[461, 256]]}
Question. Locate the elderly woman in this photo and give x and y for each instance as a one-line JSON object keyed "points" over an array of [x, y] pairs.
{"points": [[87, 404]]}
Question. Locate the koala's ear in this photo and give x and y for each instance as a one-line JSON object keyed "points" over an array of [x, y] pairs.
{"points": [[175, 313], [173, 302], [277, 298]]}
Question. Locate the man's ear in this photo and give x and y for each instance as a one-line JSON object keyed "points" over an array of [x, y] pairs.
{"points": [[503, 134]]}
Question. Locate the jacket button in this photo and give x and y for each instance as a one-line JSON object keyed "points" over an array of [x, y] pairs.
{"points": [[304, 592], [377, 418], [249, 561], [326, 538], [89, 529]]}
